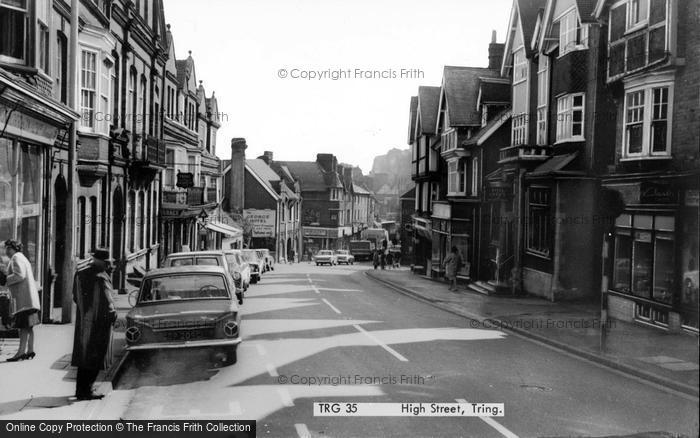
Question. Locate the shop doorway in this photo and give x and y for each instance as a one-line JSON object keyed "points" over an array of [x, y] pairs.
{"points": [[117, 233], [60, 189]]}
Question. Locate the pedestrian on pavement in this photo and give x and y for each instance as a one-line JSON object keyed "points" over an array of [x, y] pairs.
{"points": [[19, 279], [390, 260], [95, 315], [453, 262], [375, 259]]}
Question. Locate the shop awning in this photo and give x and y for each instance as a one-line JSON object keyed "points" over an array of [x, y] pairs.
{"points": [[555, 164], [224, 229]]}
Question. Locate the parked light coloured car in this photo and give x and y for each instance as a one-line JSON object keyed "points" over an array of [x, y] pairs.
{"points": [[238, 264], [186, 307], [325, 257], [206, 258], [256, 264], [343, 256], [266, 258]]}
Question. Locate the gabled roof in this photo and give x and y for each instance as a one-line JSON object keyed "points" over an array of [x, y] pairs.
{"points": [[493, 90], [524, 14], [585, 12], [412, 119], [358, 189], [491, 127], [411, 194], [460, 89], [264, 175], [586, 9], [428, 102]]}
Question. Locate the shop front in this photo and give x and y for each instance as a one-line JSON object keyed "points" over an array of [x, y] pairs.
{"points": [[318, 238], [654, 253]]}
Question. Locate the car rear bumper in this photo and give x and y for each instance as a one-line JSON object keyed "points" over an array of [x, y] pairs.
{"points": [[186, 344]]}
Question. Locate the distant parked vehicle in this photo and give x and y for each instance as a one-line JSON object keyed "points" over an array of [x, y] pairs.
{"points": [[343, 256], [325, 257], [269, 259], [206, 258], [238, 264], [362, 249], [256, 264]]}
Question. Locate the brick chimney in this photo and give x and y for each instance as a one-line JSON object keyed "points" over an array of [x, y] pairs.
{"points": [[266, 157], [495, 53], [328, 162], [236, 188]]}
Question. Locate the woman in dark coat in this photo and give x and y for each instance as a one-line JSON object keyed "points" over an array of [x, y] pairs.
{"points": [[92, 293]]}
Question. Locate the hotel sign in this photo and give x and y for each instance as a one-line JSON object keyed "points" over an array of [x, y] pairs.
{"points": [[261, 221]]}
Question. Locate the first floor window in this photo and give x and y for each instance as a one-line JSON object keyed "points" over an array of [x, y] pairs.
{"points": [[44, 58], [570, 117], [538, 226], [542, 125], [13, 25], [647, 122], [170, 168], [88, 87], [519, 129], [644, 256]]}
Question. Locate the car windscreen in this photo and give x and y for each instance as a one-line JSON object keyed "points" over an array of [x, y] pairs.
{"points": [[233, 260], [197, 286], [325, 253], [180, 262], [207, 261], [250, 257]]}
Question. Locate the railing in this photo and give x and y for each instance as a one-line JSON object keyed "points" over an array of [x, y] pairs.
{"points": [[523, 152]]}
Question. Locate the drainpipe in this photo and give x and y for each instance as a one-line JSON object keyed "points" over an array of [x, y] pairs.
{"points": [[69, 268]]}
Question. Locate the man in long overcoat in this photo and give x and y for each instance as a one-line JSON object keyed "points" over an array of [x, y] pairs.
{"points": [[95, 314]]}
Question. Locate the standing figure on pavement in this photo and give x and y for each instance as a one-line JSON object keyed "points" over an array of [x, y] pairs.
{"points": [[19, 279], [95, 314], [453, 263]]}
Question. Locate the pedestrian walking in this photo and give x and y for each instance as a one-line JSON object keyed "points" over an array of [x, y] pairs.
{"points": [[390, 260], [95, 315], [19, 279], [453, 263], [375, 259]]}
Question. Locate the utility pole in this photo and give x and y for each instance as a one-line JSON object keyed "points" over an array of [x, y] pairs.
{"points": [[69, 265]]}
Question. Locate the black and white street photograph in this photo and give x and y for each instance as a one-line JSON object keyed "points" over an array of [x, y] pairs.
{"points": [[349, 218]]}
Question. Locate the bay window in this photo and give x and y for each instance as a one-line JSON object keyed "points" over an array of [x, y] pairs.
{"points": [[542, 99], [570, 117], [13, 31], [647, 130], [519, 129]]}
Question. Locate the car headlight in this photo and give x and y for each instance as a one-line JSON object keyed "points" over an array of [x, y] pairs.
{"points": [[236, 275], [230, 328], [133, 334]]}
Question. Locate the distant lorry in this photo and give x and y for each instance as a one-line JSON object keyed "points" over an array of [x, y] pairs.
{"points": [[362, 249], [376, 235]]}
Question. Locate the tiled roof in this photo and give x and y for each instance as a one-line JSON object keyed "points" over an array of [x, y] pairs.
{"points": [[310, 176], [461, 87], [428, 101], [359, 189], [411, 194], [585, 10]]}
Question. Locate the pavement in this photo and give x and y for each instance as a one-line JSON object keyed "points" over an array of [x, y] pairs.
{"points": [[332, 334], [668, 359]]}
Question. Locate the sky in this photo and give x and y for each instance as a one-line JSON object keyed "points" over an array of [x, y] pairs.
{"points": [[272, 64]]}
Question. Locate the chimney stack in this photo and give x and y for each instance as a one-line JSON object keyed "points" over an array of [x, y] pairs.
{"points": [[328, 162], [267, 157], [236, 188], [495, 53]]}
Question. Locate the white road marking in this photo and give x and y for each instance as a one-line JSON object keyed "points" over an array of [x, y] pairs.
{"points": [[335, 309], [156, 412], [315, 289], [261, 349], [302, 430], [235, 408], [285, 397], [493, 423], [395, 353], [271, 370], [342, 290]]}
